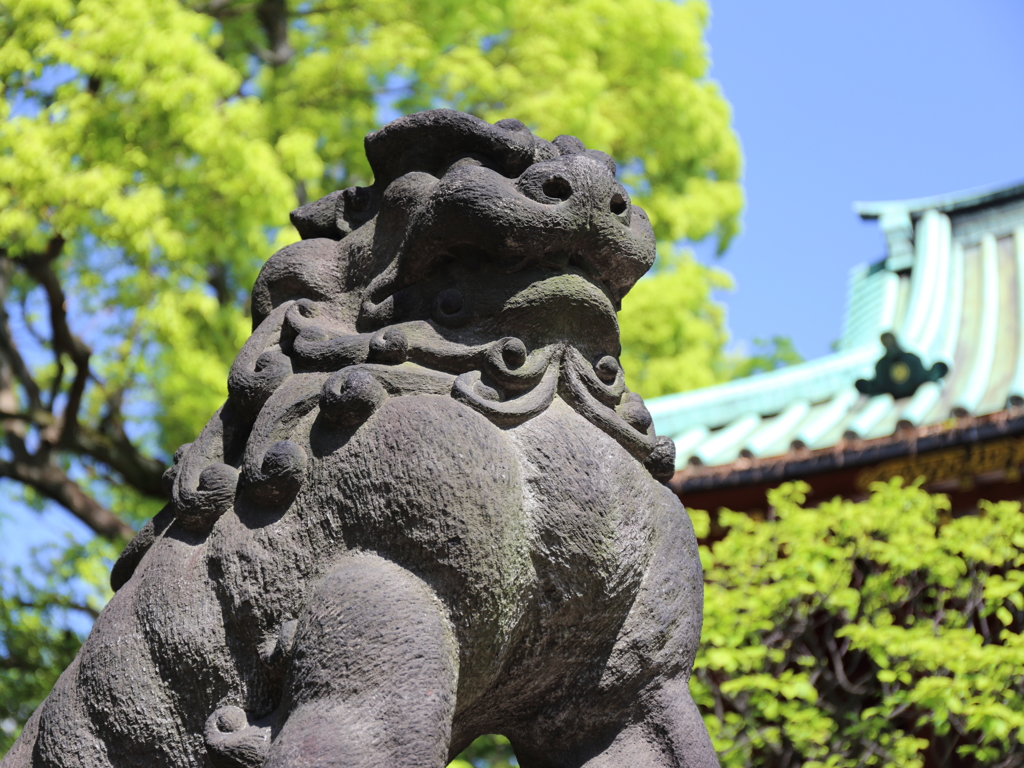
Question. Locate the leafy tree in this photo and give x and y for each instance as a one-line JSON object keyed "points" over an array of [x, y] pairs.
{"points": [[487, 752], [877, 633], [149, 153], [673, 333], [769, 355], [40, 622]]}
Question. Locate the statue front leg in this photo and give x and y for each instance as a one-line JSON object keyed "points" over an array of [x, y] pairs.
{"points": [[669, 734], [373, 674]]}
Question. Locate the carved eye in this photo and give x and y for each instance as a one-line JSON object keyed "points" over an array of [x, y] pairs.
{"points": [[558, 188]]}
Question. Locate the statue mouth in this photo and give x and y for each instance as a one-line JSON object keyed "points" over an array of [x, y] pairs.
{"points": [[563, 262], [547, 283], [523, 271], [560, 304], [569, 290]]}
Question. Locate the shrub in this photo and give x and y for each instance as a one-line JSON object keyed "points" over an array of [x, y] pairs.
{"points": [[880, 633]]}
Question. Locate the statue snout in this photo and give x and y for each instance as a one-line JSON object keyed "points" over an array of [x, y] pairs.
{"points": [[577, 182]]}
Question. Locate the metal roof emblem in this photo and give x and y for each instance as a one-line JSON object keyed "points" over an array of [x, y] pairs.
{"points": [[898, 372]]}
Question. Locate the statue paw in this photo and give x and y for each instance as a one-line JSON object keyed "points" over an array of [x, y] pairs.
{"points": [[234, 741]]}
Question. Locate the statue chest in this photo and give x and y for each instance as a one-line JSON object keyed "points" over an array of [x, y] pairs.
{"points": [[432, 482]]}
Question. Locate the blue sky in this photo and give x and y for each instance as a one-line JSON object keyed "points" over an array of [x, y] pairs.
{"points": [[842, 101]]}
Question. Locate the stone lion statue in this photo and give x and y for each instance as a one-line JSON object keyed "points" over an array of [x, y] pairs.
{"points": [[429, 509]]}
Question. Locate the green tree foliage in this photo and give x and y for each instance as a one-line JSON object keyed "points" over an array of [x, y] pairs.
{"points": [[150, 151], [768, 355], [43, 609], [877, 633], [673, 333], [490, 751], [158, 146]]}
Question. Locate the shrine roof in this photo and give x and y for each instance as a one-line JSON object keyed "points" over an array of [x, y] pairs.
{"points": [[947, 298]]}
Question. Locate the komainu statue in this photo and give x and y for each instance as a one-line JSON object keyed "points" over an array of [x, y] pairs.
{"points": [[429, 509]]}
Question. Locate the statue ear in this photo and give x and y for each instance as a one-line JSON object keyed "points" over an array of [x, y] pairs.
{"points": [[335, 215], [320, 218], [309, 269]]}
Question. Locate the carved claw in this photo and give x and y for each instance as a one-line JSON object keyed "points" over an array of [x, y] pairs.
{"points": [[350, 397], [199, 509], [171, 473], [276, 652], [634, 412], [280, 474], [389, 346], [233, 741], [662, 461]]}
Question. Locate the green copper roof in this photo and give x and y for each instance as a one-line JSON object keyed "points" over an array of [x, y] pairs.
{"points": [[951, 291]]}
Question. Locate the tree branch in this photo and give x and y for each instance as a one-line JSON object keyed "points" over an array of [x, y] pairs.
{"points": [[837, 662], [273, 17], [115, 449], [52, 482], [10, 357], [40, 267], [111, 447], [61, 601], [223, 9]]}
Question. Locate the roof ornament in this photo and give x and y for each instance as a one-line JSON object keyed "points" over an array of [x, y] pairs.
{"points": [[899, 372]]}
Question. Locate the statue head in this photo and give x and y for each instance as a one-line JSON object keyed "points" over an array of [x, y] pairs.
{"points": [[483, 262]]}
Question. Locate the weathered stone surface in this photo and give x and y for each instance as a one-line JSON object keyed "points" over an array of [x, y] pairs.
{"points": [[429, 509]]}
